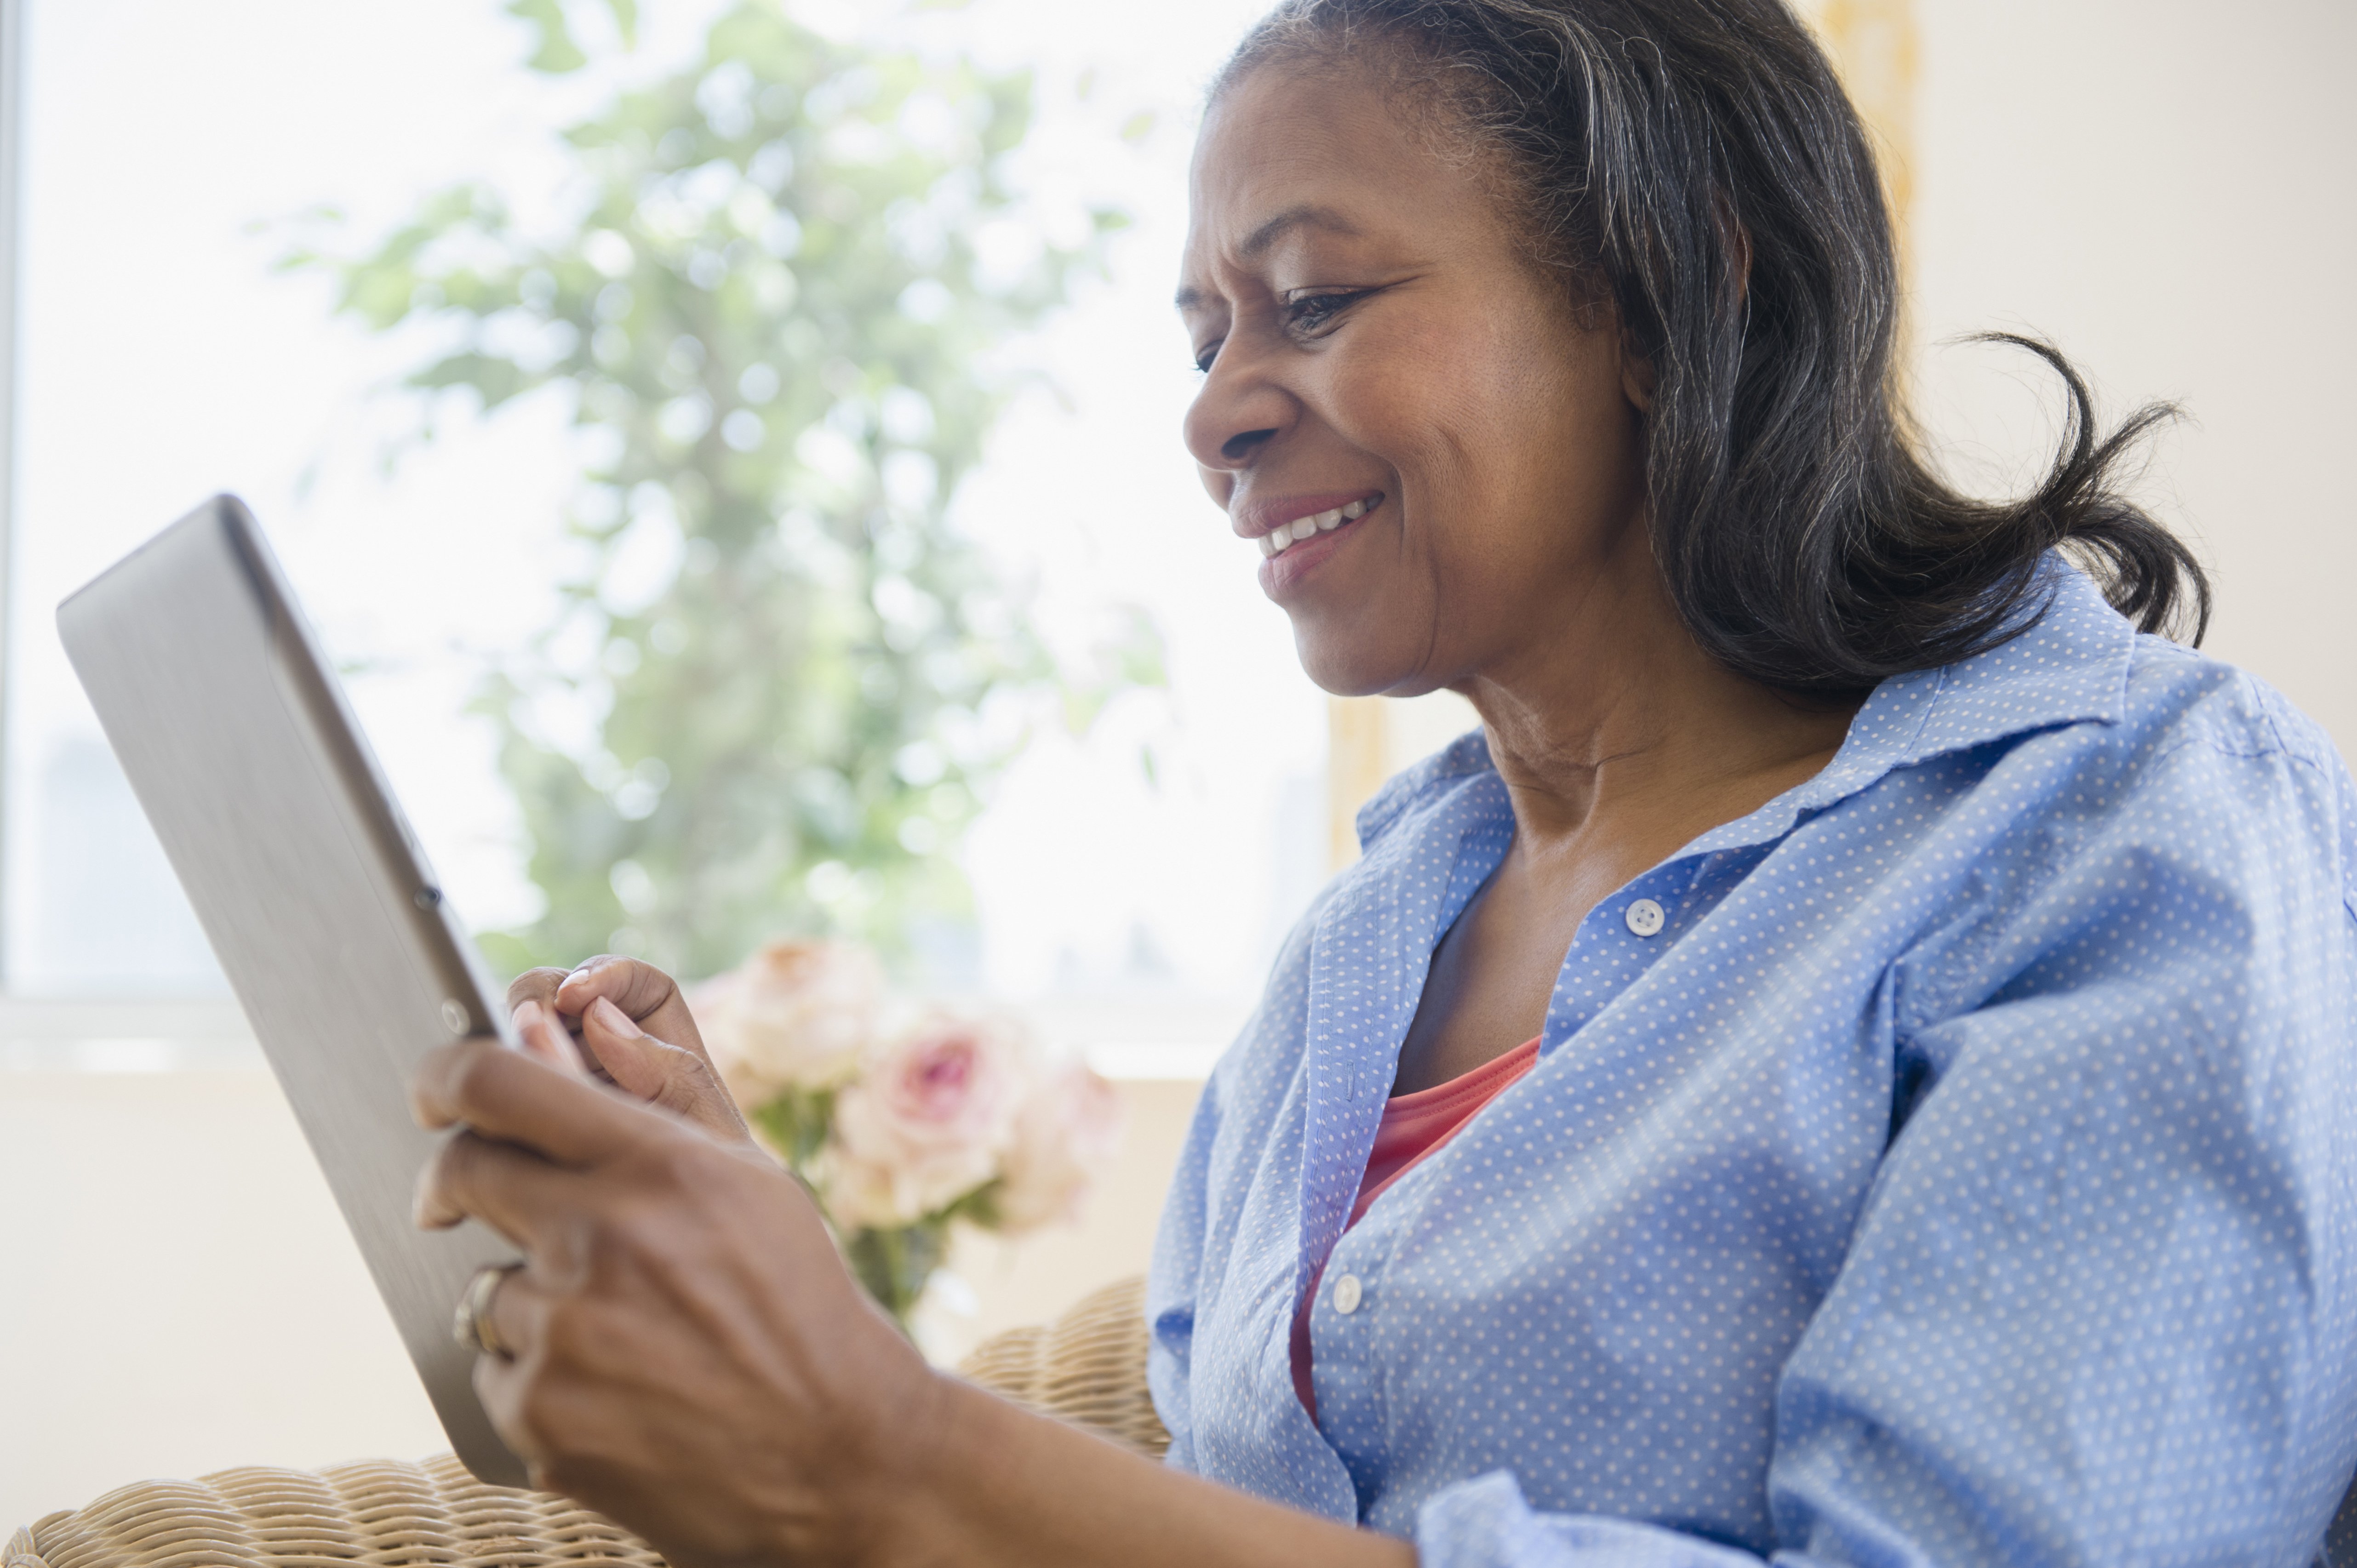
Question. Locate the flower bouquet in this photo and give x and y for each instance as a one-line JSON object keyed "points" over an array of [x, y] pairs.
{"points": [[903, 1119]]}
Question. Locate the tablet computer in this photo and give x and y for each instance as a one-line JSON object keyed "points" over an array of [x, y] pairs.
{"points": [[318, 903]]}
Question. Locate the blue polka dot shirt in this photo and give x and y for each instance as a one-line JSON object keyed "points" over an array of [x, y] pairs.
{"points": [[1949, 1162]]}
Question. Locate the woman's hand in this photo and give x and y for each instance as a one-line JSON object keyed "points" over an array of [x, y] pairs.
{"points": [[691, 1355], [626, 1022]]}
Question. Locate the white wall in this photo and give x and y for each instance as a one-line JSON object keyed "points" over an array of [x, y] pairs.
{"points": [[181, 1295], [2163, 187]]}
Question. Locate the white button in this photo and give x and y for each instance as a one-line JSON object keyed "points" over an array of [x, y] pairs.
{"points": [[1346, 1291], [1644, 916]]}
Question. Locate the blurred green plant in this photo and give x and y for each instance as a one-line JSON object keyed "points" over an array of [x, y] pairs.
{"points": [[774, 309]]}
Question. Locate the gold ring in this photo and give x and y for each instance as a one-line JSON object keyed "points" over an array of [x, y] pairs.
{"points": [[472, 1324]]}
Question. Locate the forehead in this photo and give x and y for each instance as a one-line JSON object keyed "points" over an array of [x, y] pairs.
{"points": [[1287, 154]]}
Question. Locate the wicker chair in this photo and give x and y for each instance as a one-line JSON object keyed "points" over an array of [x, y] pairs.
{"points": [[1087, 1367]]}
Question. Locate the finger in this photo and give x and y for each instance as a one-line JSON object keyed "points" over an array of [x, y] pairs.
{"points": [[535, 985], [542, 1414], [518, 1314], [544, 1039], [678, 1080], [538, 987], [651, 998], [518, 1306], [501, 1386], [519, 1099], [636, 987], [512, 1190]]}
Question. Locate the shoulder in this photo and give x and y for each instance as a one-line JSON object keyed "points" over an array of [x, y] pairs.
{"points": [[2199, 725], [2179, 854], [2079, 717], [2177, 697], [2236, 750], [2201, 763]]}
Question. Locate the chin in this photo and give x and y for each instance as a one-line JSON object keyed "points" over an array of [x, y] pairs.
{"points": [[1344, 667]]}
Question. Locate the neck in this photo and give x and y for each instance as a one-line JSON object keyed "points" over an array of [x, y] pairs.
{"points": [[1627, 731]]}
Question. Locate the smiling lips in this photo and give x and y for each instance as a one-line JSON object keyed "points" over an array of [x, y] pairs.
{"points": [[1283, 537]]}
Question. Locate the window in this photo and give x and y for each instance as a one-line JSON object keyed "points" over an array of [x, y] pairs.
{"points": [[161, 357]]}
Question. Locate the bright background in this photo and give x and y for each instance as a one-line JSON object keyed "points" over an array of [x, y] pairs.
{"points": [[2159, 185], [162, 359]]}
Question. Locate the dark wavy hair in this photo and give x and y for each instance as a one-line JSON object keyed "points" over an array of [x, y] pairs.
{"points": [[1697, 163]]}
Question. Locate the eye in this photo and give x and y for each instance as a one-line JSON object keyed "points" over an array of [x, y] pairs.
{"points": [[1205, 355], [1314, 313]]}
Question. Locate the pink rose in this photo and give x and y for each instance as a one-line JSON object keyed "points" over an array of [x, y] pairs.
{"points": [[927, 1120], [793, 1016], [1066, 1134]]}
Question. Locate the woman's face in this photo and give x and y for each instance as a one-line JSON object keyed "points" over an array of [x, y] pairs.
{"points": [[1385, 360]]}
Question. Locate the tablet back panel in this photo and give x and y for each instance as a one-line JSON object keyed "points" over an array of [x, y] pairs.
{"points": [[318, 904]]}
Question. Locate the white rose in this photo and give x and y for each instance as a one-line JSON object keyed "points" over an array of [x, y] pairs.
{"points": [[1066, 1134], [927, 1120], [796, 1015]]}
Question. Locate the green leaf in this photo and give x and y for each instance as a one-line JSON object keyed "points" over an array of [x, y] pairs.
{"points": [[796, 1125], [756, 335], [556, 53], [893, 1265]]}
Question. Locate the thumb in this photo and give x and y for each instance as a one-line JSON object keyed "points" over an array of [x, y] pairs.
{"points": [[678, 1080]]}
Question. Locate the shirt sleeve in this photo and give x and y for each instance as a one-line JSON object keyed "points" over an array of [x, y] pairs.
{"points": [[1485, 1521], [2098, 1306]]}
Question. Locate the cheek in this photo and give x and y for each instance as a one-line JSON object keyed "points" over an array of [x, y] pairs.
{"points": [[1470, 416], [1408, 398], [1523, 476]]}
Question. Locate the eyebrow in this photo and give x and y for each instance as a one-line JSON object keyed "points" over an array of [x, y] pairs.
{"points": [[1304, 215]]}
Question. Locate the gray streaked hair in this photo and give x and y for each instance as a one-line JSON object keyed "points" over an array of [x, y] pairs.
{"points": [[1696, 164]]}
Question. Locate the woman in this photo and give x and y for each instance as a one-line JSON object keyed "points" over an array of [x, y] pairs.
{"points": [[1848, 1064]]}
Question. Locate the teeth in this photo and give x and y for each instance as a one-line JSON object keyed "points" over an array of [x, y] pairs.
{"points": [[1283, 537]]}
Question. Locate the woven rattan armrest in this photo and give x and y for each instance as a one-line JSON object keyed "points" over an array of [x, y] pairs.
{"points": [[1088, 1367]]}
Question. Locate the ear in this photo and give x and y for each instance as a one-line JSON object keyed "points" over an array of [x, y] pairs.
{"points": [[1637, 377], [1637, 380]]}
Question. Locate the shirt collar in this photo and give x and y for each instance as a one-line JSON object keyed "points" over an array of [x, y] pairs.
{"points": [[2069, 666]]}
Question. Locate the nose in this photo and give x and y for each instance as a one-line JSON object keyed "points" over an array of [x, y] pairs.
{"points": [[1237, 411]]}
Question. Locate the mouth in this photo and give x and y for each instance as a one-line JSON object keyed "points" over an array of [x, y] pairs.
{"points": [[1286, 535]]}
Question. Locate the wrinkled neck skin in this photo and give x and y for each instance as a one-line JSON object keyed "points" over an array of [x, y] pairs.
{"points": [[1613, 730]]}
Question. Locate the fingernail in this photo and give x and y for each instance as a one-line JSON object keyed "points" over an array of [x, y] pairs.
{"points": [[526, 1015], [614, 1018], [417, 1209]]}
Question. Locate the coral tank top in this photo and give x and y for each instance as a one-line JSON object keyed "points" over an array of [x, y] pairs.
{"points": [[1413, 1127]]}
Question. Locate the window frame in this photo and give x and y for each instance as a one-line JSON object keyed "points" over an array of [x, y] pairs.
{"points": [[11, 162], [73, 1034]]}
